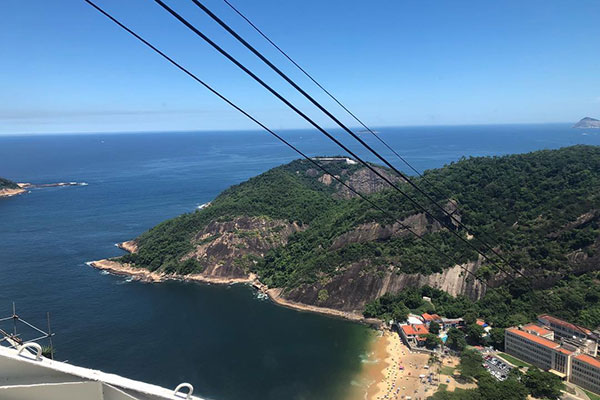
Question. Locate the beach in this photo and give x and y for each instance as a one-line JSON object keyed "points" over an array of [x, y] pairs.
{"points": [[392, 371]]}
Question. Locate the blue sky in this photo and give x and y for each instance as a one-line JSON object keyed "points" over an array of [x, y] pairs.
{"points": [[66, 68]]}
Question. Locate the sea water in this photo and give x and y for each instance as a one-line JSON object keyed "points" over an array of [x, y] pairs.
{"points": [[223, 339]]}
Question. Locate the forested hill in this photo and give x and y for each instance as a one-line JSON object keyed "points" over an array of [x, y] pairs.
{"points": [[7, 184], [299, 230]]}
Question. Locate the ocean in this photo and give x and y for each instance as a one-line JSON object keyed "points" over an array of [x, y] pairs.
{"points": [[223, 339]]}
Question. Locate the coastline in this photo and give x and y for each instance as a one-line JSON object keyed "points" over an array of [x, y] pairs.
{"points": [[11, 192], [24, 186], [275, 294], [392, 371]]}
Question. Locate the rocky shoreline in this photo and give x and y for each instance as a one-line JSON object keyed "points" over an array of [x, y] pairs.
{"points": [[23, 187], [275, 294], [11, 192]]}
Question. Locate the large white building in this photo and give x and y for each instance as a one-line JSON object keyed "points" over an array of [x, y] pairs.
{"points": [[531, 347], [585, 372], [559, 347]]}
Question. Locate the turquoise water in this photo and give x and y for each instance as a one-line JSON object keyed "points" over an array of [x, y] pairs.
{"points": [[226, 342]]}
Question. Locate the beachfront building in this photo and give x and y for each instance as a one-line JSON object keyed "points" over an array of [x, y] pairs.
{"points": [[448, 323], [585, 372], [412, 334], [429, 318]]}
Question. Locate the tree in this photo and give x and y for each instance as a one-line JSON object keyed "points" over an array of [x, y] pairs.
{"points": [[400, 313], [470, 365], [432, 341], [433, 359], [434, 328], [510, 389], [470, 318], [456, 339], [543, 384], [497, 338], [474, 334]]}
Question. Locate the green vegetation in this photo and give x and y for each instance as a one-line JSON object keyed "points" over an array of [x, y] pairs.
{"points": [[591, 395], [517, 386], [434, 328], [513, 360], [7, 184], [543, 385], [538, 209], [496, 338], [574, 298], [471, 364], [456, 339], [432, 341], [446, 370]]}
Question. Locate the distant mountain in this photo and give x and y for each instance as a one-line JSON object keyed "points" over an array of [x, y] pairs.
{"points": [[587, 122]]}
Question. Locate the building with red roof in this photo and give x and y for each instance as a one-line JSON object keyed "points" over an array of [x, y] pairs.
{"points": [[585, 372], [533, 344], [428, 318], [563, 328], [539, 331], [571, 334], [411, 333]]}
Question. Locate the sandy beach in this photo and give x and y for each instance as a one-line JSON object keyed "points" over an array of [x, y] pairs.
{"points": [[392, 371]]}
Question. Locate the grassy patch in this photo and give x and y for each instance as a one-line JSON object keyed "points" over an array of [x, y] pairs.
{"points": [[513, 360], [591, 395], [445, 370], [442, 387]]}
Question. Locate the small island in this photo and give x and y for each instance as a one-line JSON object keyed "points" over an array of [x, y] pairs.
{"points": [[9, 188], [587, 123]]}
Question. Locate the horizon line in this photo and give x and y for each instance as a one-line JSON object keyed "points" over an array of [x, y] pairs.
{"points": [[357, 129]]}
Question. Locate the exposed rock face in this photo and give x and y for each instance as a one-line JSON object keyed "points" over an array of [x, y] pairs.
{"points": [[130, 246], [582, 261], [419, 223], [351, 290], [366, 181], [588, 122], [326, 179], [223, 248]]}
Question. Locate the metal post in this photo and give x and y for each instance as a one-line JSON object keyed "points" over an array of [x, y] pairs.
{"points": [[50, 337], [14, 319]]}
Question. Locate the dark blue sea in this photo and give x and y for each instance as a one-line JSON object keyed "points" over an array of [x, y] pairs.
{"points": [[226, 342]]}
